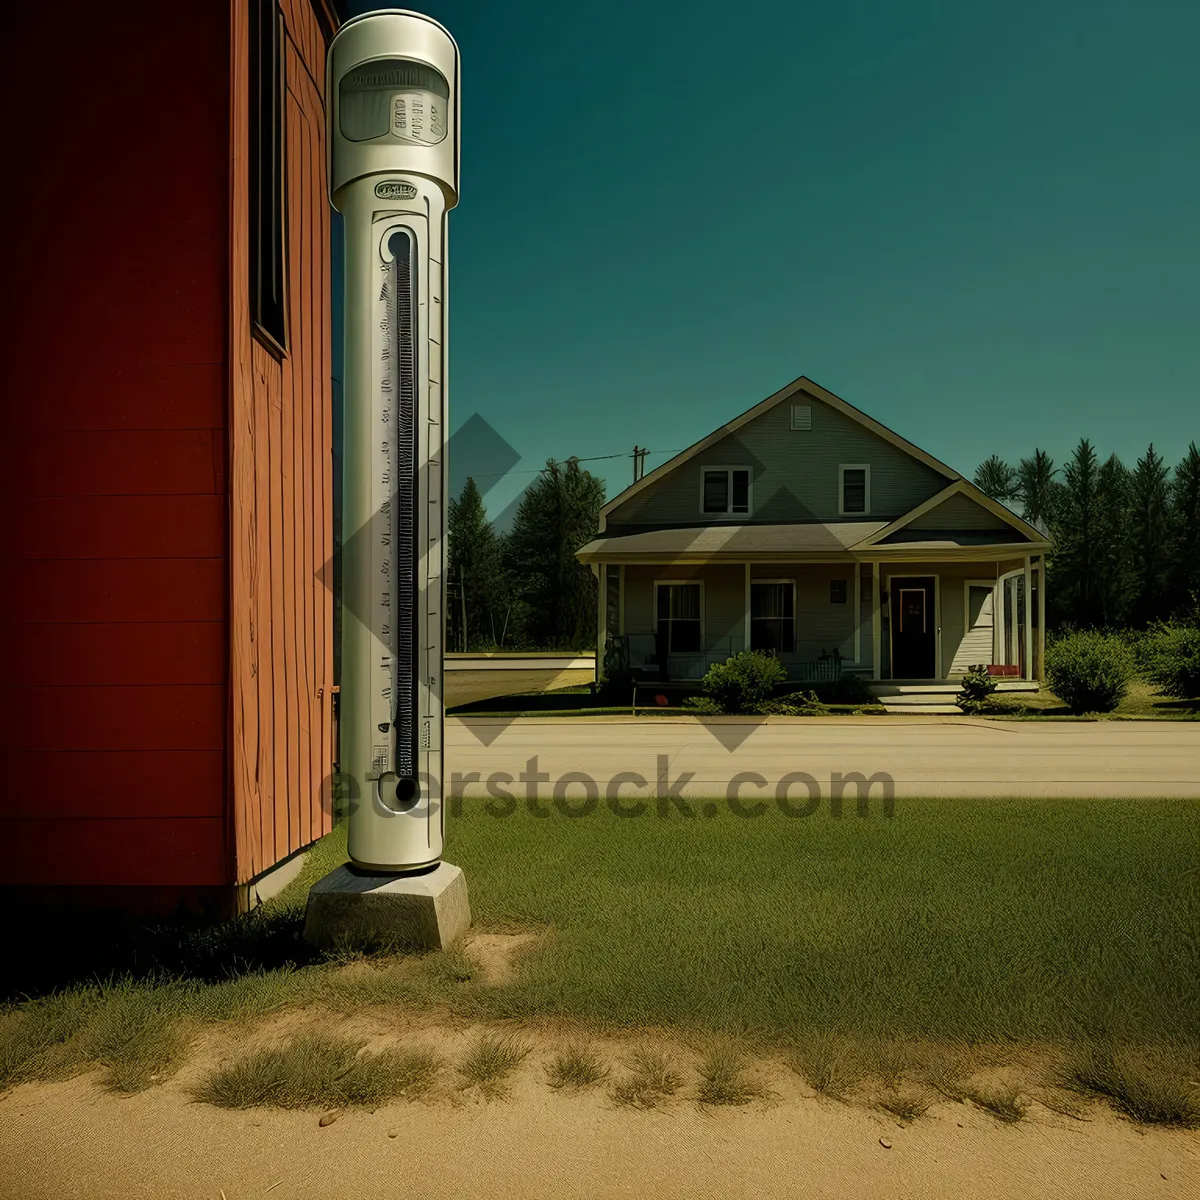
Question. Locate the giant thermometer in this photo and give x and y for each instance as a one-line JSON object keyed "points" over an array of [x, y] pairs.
{"points": [[392, 93]]}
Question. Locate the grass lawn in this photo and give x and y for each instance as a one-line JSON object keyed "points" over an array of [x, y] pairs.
{"points": [[1144, 700], [1072, 924]]}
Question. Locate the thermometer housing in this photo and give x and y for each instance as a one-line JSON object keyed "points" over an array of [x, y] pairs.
{"points": [[392, 123]]}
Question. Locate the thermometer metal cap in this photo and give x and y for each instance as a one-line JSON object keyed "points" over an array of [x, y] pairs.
{"points": [[392, 92]]}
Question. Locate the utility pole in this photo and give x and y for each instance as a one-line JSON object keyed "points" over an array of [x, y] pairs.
{"points": [[639, 462]]}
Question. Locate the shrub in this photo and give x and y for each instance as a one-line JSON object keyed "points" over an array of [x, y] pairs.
{"points": [[796, 704], [1171, 653], [1089, 670], [977, 688], [745, 682]]}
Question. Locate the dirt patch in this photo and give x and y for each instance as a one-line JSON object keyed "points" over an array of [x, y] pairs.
{"points": [[500, 954], [78, 1141]]}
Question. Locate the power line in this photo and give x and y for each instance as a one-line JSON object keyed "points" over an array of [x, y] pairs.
{"points": [[593, 458]]}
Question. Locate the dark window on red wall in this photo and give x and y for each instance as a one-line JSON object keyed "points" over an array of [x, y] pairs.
{"points": [[268, 211]]}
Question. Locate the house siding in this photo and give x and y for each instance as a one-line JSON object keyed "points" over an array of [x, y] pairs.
{"points": [[961, 512], [795, 473]]}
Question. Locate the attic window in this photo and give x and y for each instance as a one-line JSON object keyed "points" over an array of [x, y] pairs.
{"points": [[802, 416], [725, 491], [854, 481]]}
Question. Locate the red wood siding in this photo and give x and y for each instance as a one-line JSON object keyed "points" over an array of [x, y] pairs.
{"points": [[281, 489], [114, 348]]}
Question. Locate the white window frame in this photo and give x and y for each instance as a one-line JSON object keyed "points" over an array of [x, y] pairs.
{"points": [[704, 471], [682, 583], [866, 469], [754, 582]]}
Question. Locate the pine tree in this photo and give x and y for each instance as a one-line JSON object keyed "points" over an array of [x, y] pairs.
{"points": [[476, 574], [557, 515], [1111, 542], [1076, 518], [995, 477], [1185, 534], [1037, 489], [1150, 538]]}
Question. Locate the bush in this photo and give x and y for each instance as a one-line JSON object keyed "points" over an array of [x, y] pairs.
{"points": [[1089, 670], [745, 682], [977, 688], [1171, 654]]}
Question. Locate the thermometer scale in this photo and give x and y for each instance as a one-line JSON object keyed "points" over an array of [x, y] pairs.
{"points": [[393, 122]]}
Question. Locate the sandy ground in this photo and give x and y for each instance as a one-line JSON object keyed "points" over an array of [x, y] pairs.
{"points": [[72, 1139], [925, 756]]}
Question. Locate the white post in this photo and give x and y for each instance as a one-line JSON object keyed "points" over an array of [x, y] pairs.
{"points": [[601, 571], [1028, 617], [857, 613], [876, 630], [746, 611], [1041, 671]]}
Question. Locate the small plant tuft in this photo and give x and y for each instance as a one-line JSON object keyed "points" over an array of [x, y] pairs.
{"points": [[575, 1067], [650, 1081], [829, 1065], [317, 1070], [1153, 1087], [723, 1078], [905, 1101], [1003, 1100], [977, 688], [490, 1060]]}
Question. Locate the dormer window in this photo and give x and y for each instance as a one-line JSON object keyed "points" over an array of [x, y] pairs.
{"points": [[854, 481], [725, 491]]}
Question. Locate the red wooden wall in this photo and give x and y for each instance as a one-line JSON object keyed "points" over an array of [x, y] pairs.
{"points": [[282, 490], [166, 482]]}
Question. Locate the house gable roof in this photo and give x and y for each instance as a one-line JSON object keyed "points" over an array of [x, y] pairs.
{"points": [[1004, 517], [796, 387]]}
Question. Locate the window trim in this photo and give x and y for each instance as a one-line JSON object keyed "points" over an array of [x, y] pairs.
{"points": [[866, 469], [267, 296], [839, 579], [682, 583], [728, 470], [754, 582]]}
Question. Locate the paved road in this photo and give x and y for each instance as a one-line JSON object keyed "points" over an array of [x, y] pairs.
{"points": [[924, 756]]}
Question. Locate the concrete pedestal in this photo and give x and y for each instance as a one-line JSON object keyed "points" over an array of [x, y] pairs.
{"points": [[352, 910]]}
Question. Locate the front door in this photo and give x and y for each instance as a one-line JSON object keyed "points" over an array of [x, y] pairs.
{"points": [[914, 633]]}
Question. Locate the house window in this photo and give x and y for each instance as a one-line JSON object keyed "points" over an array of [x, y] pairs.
{"points": [[838, 591], [677, 612], [268, 223], [725, 491], [773, 615], [801, 417], [855, 488]]}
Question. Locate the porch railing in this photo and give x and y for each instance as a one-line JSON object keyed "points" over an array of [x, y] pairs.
{"points": [[645, 655]]}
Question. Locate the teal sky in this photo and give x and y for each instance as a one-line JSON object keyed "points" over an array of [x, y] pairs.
{"points": [[977, 222]]}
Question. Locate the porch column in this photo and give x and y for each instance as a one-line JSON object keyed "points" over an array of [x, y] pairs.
{"points": [[1041, 658], [746, 612], [1028, 617], [857, 613], [876, 631], [601, 571]]}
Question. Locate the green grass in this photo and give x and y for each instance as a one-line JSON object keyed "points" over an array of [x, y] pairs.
{"points": [[1003, 1100], [956, 924], [319, 1070], [1144, 700], [967, 920]]}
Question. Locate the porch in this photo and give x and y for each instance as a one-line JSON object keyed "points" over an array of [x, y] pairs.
{"points": [[882, 620]]}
